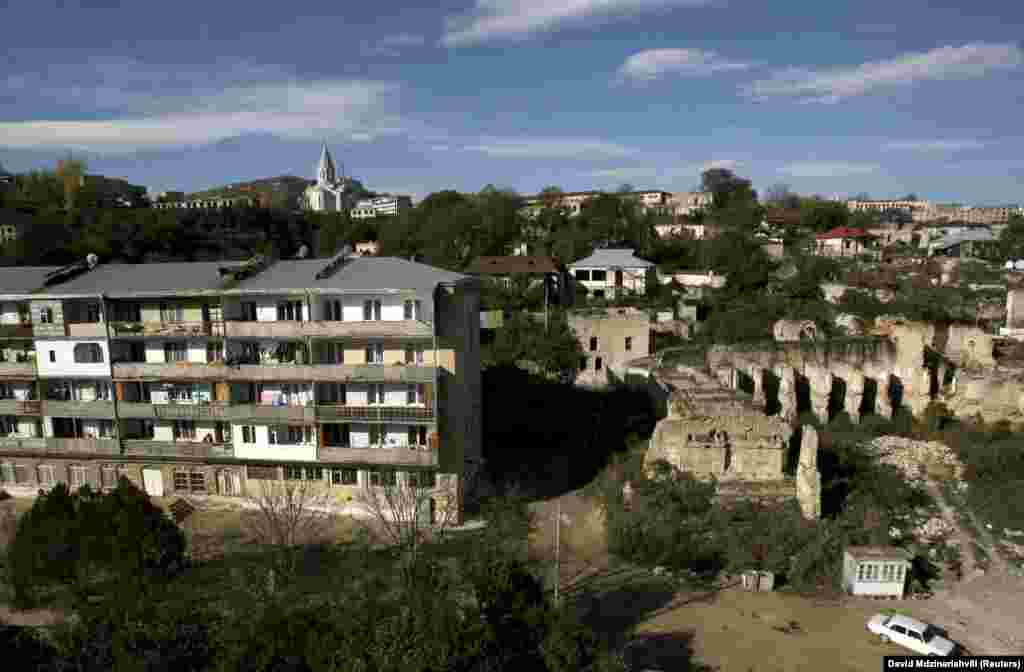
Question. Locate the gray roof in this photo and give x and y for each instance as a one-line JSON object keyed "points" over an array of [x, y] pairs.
{"points": [[359, 274], [23, 279], [949, 240], [623, 258], [145, 279]]}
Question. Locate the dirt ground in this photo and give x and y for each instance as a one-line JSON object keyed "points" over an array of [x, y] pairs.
{"points": [[732, 629]]}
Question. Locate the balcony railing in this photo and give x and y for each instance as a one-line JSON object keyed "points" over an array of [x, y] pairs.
{"points": [[401, 414], [18, 369], [18, 407], [177, 448], [415, 456], [340, 373], [201, 411], [267, 412], [94, 446], [35, 444], [86, 329], [23, 330], [78, 409], [377, 329], [167, 328]]}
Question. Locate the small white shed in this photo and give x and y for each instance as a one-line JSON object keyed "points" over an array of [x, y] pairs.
{"points": [[875, 571]]}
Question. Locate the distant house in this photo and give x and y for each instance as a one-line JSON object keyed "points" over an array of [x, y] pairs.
{"points": [[843, 241], [875, 571], [531, 271], [612, 272], [610, 340]]}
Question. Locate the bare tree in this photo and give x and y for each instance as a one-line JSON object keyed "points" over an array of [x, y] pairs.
{"points": [[289, 514], [411, 512]]}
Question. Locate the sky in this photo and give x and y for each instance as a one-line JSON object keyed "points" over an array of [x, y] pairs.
{"points": [[834, 98]]}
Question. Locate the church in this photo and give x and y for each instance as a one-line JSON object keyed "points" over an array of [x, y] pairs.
{"points": [[331, 193]]}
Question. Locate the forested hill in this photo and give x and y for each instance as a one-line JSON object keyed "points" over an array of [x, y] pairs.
{"points": [[284, 188]]}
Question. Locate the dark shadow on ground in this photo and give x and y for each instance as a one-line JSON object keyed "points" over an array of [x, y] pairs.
{"points": [[664, 651], [549, 438]]}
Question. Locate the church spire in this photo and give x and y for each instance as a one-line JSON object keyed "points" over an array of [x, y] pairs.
{"points": [[325, 172]]}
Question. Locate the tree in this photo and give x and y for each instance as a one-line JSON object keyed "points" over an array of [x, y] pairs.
{"points": [[819, 214], [289, 514], [726, 187], [555, 351], [71, 173], [626, 188], [550, 196], [410, 513], [779, 195], [1011, 239]]}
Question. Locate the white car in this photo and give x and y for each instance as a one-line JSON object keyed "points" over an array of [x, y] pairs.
{"points": [[911, 633]]}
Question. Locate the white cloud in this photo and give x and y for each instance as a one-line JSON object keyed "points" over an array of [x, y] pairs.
{"points": [[832, 85], [653, 63], [828, 168], [315, 109], [550, 148], [496, 19], [730, 164], [933, 145]]}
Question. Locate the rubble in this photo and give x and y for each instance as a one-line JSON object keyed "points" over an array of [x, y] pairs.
{"points": [[913, 458]]}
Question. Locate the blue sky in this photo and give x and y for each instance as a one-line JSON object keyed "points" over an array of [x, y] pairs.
{"points": [[836, 98]]}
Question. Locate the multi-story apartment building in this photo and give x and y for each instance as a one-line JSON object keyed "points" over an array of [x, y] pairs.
{"points": [[688, 203], [380, 206], [209, 378], [915, 208], [218, 203]]}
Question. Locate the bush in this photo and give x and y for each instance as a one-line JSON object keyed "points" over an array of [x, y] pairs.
{"points": [[77, 540]]}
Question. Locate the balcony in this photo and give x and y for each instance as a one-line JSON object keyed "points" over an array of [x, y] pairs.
{"points": [[150, 411], [178, 448], [268, 413], [23, 330], [166, 329], [369, 329], [25, 369], [78, 409], [60, 445], [86, 329], [17, 407], [257, 373], [397, 414], [392, 456]]}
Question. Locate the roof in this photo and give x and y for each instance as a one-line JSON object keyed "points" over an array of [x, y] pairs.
{"points": [[843, 232], [512, 265], [23, 279], [623, 258], [359, 274], [878, 553], [145, 279], [951, 239]]}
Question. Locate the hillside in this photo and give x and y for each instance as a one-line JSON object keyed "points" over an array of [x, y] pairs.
{"points": [[281, 189]]}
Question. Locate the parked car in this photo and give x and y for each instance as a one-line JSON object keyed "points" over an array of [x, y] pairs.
{"points": [[911, 633]]}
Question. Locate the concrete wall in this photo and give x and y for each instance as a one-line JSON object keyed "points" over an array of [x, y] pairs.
{"points": [[611, 333], [262, 449], [64, 356]]}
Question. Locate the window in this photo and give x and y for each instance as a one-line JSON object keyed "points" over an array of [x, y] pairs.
{"points": [[92, 312], [417, 436], [598, 293], [46, 316], [53, 355], [248, 311], [582, 275], [887, 572], [913, 634], [412, 309], [376, 435], [593, 343], [583, 363], [598, 276], [898, 629], [414, 394], [46, 476], [20, 473], [248, 434], [597, 364], [6, 473], [175, 352], [629, 343], [375, 353], [332, 311], [371, 309], [179, 394], [344, 477], [335, 353], [375, 393], [197, 481], [293, 473], [8, 425], [214, 352], [314, 473], [422, 479], [261, 472], [375, 477], [181, 480], [108, 476], [862, 572], [169, 313], [184, 429], [88, 353], [413, 355], [290, 311]]}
